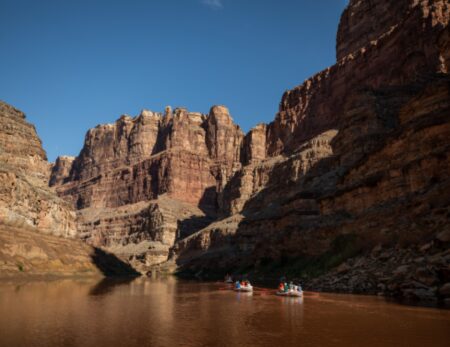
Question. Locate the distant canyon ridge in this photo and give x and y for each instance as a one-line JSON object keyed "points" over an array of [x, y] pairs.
{"points": [[348, 189]]}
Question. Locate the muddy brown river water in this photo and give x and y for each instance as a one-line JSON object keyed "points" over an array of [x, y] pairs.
{"points": [[170, 312]]}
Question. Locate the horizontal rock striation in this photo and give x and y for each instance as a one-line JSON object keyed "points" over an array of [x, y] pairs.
{"points": [[390, 192], [141, 233], [38, 229], [61, 170], [355, 166], [26, 251], [352, 170], [415, 47], [185, 157], [24, 171]]}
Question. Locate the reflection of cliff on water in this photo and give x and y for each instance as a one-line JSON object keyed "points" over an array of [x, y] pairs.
{"points": [[107, 284]]}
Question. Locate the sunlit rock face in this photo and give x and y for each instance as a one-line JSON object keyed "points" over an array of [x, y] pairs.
{"points": [[60, 170], [36, 227], [26, 251], [125, 166], [380, 44], [138, 159], [24, 172]]}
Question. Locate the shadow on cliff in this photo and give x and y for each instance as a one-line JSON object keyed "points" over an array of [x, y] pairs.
{"points": [[289, 212], [208, 201], [110, 265], [193, 224]]}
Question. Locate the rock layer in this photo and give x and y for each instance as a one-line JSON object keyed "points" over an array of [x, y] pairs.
{"points": [[356, 159], [150, 155], [37, 229], [26, 251], [407, 52], [353, 167], [125, 168], [24, 171]]}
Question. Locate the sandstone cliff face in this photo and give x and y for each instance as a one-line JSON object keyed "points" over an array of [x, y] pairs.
{"points": [[254, 145], [150, 155], [24, 171], [366, 21], [355, 167], [27, 251], [60, 171], [125, 168], [20, 146], [382, 195], [37, 229], [141, 233], [393, 54], [351, 172]]}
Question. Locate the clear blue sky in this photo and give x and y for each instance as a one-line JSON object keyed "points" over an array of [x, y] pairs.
{"points": [[72, 64]]}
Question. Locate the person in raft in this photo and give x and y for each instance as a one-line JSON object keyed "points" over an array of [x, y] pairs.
{"points": [[296, 288], [245, 283], [237, 284]]}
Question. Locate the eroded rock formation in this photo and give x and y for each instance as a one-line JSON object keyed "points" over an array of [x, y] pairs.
{"points": [[38, 234], [24, 171], [28, 251], [138, 182], [355, 168], [352, 171], [391, 55]]}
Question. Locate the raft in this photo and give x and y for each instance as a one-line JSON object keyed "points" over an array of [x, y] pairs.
{"points": [[290, 293], [244, 289]]}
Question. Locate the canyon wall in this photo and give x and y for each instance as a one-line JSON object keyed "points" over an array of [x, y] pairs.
{"points": [[409, 42], [347, 189], [38, 230], [24, 196], [142, 183], [353, 192], [36, 227]]}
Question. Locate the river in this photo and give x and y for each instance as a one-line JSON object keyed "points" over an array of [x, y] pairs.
{"points": [[170, 312]]}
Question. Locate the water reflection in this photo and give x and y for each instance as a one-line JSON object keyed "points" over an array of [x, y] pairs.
{"points": [[108, 284], [166, 312]]}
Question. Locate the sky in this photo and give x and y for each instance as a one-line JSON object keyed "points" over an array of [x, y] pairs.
{"points": [[73, 64]]}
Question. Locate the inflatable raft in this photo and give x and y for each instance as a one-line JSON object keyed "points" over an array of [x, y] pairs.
{"points": [[291, 293], [244, 289]]}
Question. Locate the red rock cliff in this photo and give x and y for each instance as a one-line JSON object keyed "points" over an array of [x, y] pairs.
{"points": [[184, 157], [352, 193], [36, 227], [380, 44], [347, 182], [24, 171]]}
